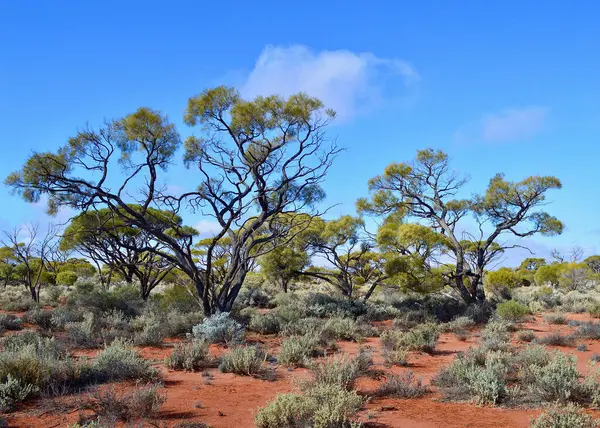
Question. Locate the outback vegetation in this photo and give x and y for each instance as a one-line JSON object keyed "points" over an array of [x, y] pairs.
{"points": [[127, 313]]}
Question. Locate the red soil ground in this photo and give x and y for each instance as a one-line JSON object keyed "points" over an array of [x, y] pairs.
{"points": [[226, 400]]}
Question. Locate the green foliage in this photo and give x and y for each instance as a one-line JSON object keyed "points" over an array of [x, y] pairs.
{"points": [[244, 360], [569, 416], [190, 356], [501, 281], [512, 311], [324, 406], [341, 371], [421, 338], [548, 274], [120, 361], [283, 265], [264, 323], [13, 391], [296, 351], [66, 278], [141, 402]]}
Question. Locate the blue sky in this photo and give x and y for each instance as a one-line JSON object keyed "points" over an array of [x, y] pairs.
{"points": [[511, 87]]}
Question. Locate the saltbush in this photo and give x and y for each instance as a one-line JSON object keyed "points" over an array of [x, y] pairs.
{"points": [[569, 416], [405, 385], [219, 328], [190, 356], [296, 351], [120, 361], [512, 311], [243, 360]]}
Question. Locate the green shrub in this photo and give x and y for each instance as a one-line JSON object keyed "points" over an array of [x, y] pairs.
{"points": [[459, 324], [396, 357], [594, 309], [391, 339], [120, 361], [497, 331], [264, 323], [190, 356], [525, 335], [219, 328], [324, 406], [83, 334], [151, 335], [340, 370], [558, 380], [402, 386], [342, 329], [421, 338], [68, 278], [244, 360], [13, 391], [303, 327], [512, 311], [557, 318], [40, 317], [569, 416], [296, 351]]}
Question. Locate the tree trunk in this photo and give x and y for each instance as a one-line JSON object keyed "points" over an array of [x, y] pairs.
{"points": [[371, 290]]}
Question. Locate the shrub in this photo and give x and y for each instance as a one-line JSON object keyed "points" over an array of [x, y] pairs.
{"points": [[339, 370], [264, 323], [189, 356], [391, 339], [396, 357], [325, 406], [526, 335], [497, 331], [589, 330], [141, 402], [120, 361], [557, 339], [244, 360], [68, 278], [152, 334], [83, 334], [342, 329], [558, 380], [40, 317], [180, 322], [569, 416], [219, 328], [559, 319], [302, 327], [10, 322], [594, 309], [512, 311], [403, 386], [297, 350], [458, 324], [13, 391], [421, 338]]}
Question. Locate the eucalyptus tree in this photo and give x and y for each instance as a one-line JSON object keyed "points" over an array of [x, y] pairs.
{"points": [[252, 161], [106, 237], [426, 189], [31, 252]]}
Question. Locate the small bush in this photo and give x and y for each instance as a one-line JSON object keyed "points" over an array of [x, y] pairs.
{"points": [[264, 323], [142, 402], [342, 329], [589, 330], [190, 356], [558, 319], [569, 416], [40, 317], [152, 334], [83, 334], [340, 370], [10, 322], [422, 338], [512, 311], [526, 335], [497, 331], [558, 380], [557, 339], [396, 357], [244, 360], [13, 391], [219, 328], [296, 351], [459, 324], [403, 386], [324, 406], [120, 361]]}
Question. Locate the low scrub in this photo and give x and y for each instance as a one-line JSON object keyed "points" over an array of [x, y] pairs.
{"points": [[569, 416], [219, 328], [323, 406], [264, 323], [14, 391], [512, 311], [296, 351], [556, 318], [244, 360], [557, 339], [341, 371], [190, 356], [405, 385], [9, 322], [112, 405], [526, 335], [120, 361]]}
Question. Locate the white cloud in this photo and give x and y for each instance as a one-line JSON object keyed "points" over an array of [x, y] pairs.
{"points": [[511, 124], [207, 228], [348, 82]]}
